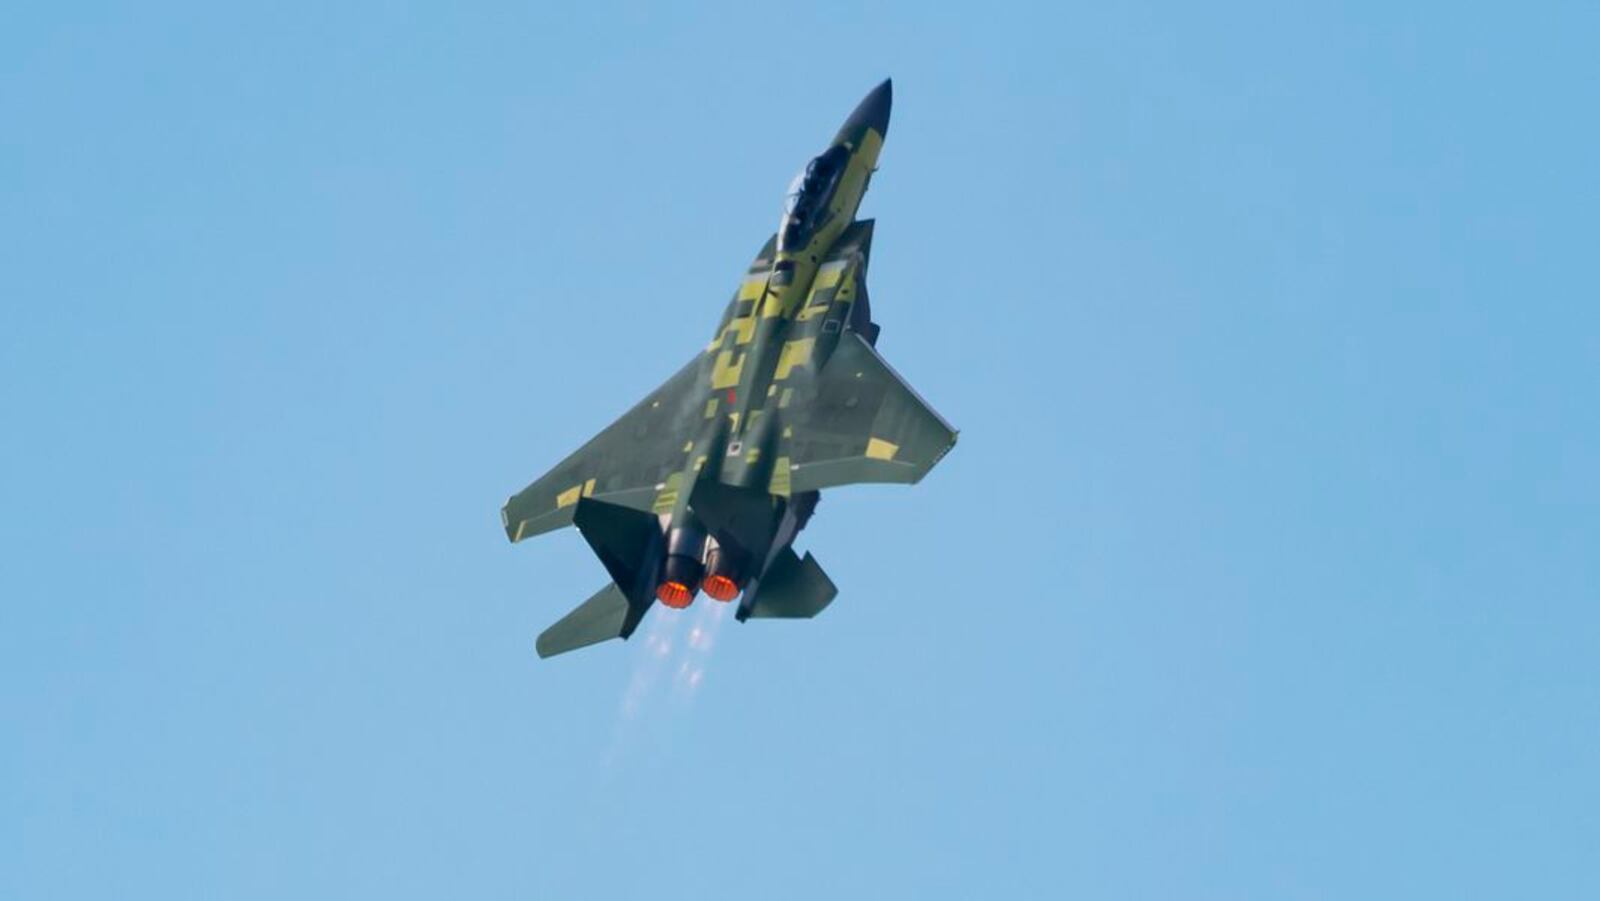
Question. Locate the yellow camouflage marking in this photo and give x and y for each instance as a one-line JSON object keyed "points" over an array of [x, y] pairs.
{"points": [[725, 374], [569, 497], [711, 408], [752, 455], [588, 488], [795, 353], [812, 312], [783, 401], [879, 449], [779, 483], [742, 329], [862, 162], [752, 287], [838, 274], [829, 274], [668, 495]]}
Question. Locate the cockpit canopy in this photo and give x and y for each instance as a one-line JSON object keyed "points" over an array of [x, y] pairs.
{"points": [[806, 205]]}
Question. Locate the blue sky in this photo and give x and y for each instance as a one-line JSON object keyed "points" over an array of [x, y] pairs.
{"points": [[1265, 568]]}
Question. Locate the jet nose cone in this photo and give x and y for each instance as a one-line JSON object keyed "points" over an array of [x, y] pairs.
{"points": [[873, 113]]}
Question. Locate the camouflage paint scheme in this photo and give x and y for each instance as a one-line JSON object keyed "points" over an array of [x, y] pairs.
{"points": [[717, 470]]}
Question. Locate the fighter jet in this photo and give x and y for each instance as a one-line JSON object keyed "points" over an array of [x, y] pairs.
{"points": [[704, 485]]}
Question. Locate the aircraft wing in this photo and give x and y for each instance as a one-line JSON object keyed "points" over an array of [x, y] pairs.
{"points": [[860, 422], [622, 465]]}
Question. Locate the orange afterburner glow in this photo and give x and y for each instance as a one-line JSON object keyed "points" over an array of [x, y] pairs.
{"points": [[674, 594], [721, 587]]}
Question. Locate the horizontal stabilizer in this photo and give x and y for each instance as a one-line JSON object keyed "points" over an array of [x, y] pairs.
{"points": [[623, 539], [598, 619], [793, 588], [629, 545]]}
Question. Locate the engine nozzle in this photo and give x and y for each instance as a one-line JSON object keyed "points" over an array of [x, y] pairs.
{"points": [[681, 571], [674, 594], [723, 580], [720, 588]]}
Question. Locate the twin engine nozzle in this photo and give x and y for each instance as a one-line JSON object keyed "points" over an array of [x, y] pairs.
{"points": [[695, 561]]}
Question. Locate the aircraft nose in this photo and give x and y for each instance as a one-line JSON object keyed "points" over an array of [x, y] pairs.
{"points": [[873, 113]]}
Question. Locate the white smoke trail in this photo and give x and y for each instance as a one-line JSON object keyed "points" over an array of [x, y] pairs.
{"points": [[673, 653], [696, 656]]}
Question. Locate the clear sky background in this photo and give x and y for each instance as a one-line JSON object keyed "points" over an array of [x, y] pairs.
{"points": [[1266, 566]]}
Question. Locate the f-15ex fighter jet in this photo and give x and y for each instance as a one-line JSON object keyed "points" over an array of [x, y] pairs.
{"points": [[706, 482]]}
